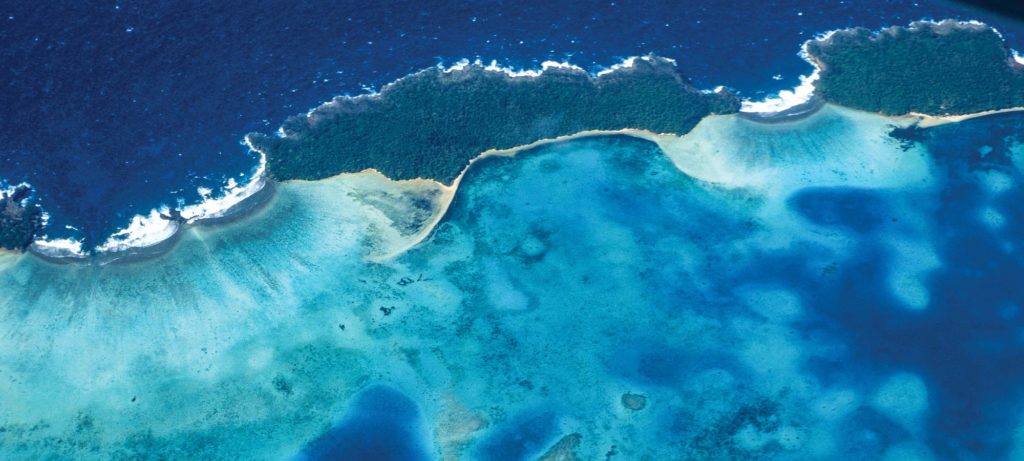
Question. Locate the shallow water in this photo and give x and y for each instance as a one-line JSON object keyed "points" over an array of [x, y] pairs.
{"points": [[809, 290]]}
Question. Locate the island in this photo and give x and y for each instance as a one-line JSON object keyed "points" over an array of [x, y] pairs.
{"points": [[430, 124], [20, 221], [932, 68]]}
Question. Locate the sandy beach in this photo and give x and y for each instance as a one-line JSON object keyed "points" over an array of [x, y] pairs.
{"points": [[927, 121], [447, 192]]}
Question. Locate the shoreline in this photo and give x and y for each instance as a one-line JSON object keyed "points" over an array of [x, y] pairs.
{"points": [[790, 114], [448, 192], [876, 69], [802, 95], [263, 197], [348, 134], [237, 212], [334, 103], [928, 121], [149, 234], [247, 207], [146, 232], [241, 210]]}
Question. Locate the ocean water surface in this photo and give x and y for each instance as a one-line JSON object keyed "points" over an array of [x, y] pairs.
{"points": [[816, 289], [838, 286], [113, 110]]}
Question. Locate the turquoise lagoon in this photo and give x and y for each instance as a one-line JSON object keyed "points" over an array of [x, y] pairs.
{"points": [[815, 289]]}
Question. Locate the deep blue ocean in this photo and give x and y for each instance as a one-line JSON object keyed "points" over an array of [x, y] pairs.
{"points": [[110, 109]]}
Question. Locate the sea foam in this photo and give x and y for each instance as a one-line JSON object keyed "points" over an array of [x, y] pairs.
{"points": [[493, 66], [10, 188], [146, 230], [142, 231], [801, 94], [233, 194], [55, 248], [160, 224], [59, 248]]}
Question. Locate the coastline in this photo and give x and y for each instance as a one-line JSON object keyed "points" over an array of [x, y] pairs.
{"points": [[154, 234], [242, 209], [779, 284], [264, 195], [327, 108], [447, 116], [818, 83], [148, 234], [928, 121], [790, 114], [245, 208], [880, 70], [448, 192], [250, 205], [800, 98]]}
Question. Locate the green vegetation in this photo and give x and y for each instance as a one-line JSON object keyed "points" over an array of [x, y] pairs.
{"points": [[937, 69], [430, 124], [18, 224]]}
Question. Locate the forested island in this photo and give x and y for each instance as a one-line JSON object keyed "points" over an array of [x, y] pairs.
{"points": [[944, 68], [432, 123], [19, 221]]}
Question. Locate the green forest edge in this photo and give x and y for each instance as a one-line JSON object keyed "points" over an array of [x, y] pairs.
{"points": [[432, 123]]}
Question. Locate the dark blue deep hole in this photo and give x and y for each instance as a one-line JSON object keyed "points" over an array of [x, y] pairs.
{"points": [[660, 364], [522, 438], [381, 425], [858, 210]]}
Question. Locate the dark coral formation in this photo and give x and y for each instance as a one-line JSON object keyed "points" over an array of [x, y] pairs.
{"points": [[932, 68], [718, 441], [20, 222], [564, 450], [635, 402], [430, 124]]}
